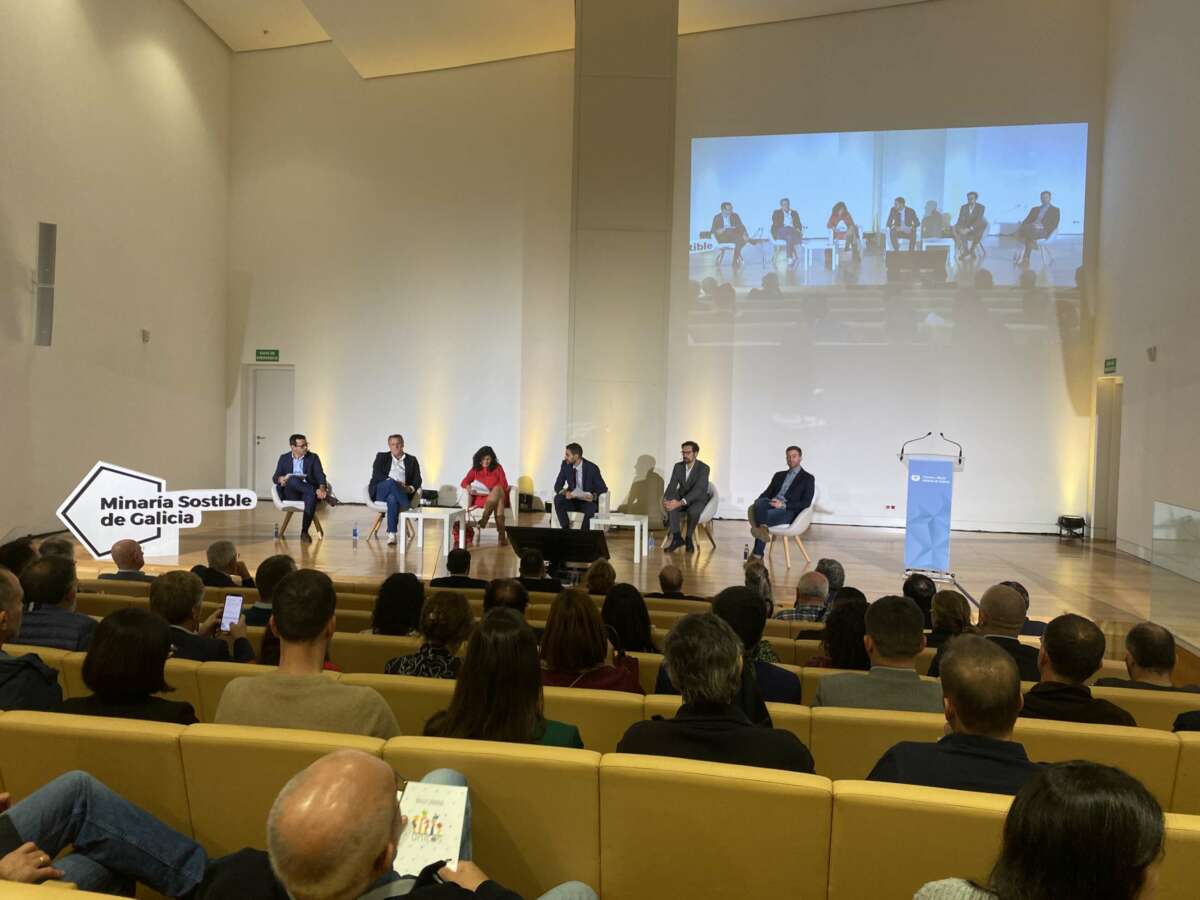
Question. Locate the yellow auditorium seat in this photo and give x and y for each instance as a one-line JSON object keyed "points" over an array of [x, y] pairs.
{"points": [[369, 653], [787, 716], [51, 656], [1150, 756], [212, 677], [1112, 668], [234, 772], [112, 586], [412, 700], [346, 601], [665, 618], [369, 586], [806, 649], [648, 666], [139, 760], [535, 810], [180, 674], [36, 891], [352, 620], [254, 634], [889, 839], [846, 743], [784, 647], [798, 628], [683, 607], [1152, 709], [777, 628], [544, 598], [1186, 798], [217, 595], [1180, 871], [686, 829], [925, 660], [102, 604], [602, 717]]}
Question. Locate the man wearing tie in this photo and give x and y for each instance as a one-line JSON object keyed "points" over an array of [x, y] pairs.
{"points": [[577, 486], [789, 494], [1041, 222], [969, 229], [299, 476], [686, 495], [902, 224], [395, 480], [727, 228]]}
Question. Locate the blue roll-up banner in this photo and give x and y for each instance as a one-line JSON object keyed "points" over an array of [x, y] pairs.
{"points": [[927, 530]]}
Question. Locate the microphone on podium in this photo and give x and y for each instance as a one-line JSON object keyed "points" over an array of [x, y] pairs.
{"points": [[913, 441]]}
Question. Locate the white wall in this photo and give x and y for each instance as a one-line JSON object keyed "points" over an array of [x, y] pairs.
{"points": [[115, 126], [404, 242], [1020, 401]]}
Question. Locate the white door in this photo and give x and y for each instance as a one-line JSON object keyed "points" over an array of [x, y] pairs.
{"points": [[274, 420], [1108, 458]]}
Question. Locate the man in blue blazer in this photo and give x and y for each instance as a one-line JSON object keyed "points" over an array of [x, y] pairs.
{"points": [[789, 494], [577, 487], [299, 476]]}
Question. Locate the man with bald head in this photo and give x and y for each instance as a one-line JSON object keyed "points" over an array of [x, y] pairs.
{"points": [[25, 681], [1149, 660], [127, 554], [1001, 615], [981, 698]]}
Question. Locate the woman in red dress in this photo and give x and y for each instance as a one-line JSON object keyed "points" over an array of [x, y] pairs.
{"points": [[841, 223], [487, 488]]}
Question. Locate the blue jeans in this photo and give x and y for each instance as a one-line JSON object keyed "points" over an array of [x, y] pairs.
{"points": [[114, 843], [765, 514], [397, 499]]}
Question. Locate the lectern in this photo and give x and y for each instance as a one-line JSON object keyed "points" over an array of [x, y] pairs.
{"points": [[927, 519]]}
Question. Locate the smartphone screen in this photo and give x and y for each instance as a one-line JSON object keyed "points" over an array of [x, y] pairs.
{"points": [[232, 611]]}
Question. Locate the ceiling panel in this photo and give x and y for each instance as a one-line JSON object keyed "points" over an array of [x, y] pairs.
{"points": [[711, 15], [259, 24]]}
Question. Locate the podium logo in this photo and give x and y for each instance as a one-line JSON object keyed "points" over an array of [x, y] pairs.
{"points": [[916, 477]]}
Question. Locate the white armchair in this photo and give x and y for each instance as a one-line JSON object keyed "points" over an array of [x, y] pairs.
{"points": [[576, 518], [709, 513], [793, 530], [380, 509], [289, 508]]}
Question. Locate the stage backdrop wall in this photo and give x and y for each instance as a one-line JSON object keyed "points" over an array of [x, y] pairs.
{"points": [[1020, 400], [115, 126], [404, 242]]}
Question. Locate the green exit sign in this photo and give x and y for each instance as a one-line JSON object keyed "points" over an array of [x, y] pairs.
{"points": [[1110, 366], [273, 356]]}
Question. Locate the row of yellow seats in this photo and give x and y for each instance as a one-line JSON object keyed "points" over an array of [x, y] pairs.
{"points": [[630, 825]]}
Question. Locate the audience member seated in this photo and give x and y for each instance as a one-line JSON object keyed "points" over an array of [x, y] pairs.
{"points": [[267, 576], [845, 629], [225, 569], [670, 583], [398, 606], [25, 681], [176, 596], [509, 592], [600, 577], [1072, 651], [1188, 721], [57, 547], [703, 659], [458, 564], [920, 589], [951, 617], [575, 649], [498, 694], [50, 619], [127, 555], [894, 638], [627, 620], [758, 580], [332, 835], [1001, 613], [1035, 629], [834, 573], [17, 555], [446, 623], [982, 699], [532, 574], [298, 695], [1149, 660], [812, 598], [1075, 830], [125, 667]]}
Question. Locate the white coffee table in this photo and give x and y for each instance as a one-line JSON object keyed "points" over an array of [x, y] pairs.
{"points": [[639, 524], [448, 515]]}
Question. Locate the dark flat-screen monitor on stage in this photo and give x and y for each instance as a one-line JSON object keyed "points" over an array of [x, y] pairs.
{"points": [[559, 546]]}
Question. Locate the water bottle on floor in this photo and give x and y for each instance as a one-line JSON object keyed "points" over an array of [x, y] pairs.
{"points": [[276, 531], [745, 552], [354, 533]]}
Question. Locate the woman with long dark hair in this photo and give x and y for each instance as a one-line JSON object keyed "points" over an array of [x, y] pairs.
{"points": [[487, 488], [627, 620], [842, 639], [842, 226], [575, 648], [951, 616], [498, 695], [398, 605]]}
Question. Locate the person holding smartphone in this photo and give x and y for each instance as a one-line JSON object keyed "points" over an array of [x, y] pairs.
{"points": [[221, 637]]}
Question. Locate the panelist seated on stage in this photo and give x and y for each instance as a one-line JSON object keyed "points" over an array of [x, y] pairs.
{"points": [[842, 226], [789, 494], [1039, 223], [578, 486], [487, 489], [127, 554], [902, 224], [686, 495], [299, 476], [971, 225], [395, 480], [727, 228], [785, 226]]}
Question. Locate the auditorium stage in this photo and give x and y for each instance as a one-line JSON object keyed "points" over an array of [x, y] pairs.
{"points": [[1089, 578]]}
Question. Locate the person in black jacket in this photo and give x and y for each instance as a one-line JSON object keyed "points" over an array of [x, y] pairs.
{"points": [[124, 669], [702, 655], [299, 475], [176, 596], [396, 481], [458, 564], [532, 573], [225, 568], [1001, 614], [25, 681], [789, 494]]}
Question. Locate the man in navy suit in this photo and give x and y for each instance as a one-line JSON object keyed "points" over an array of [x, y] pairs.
{"points": [[395, 480], [299, 476], [902, 224], [578, 485], [1039, 224], [789, 494], [971, 225]]}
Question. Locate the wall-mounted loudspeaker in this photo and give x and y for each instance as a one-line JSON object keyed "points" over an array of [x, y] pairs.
{"points": [[43, 305]]}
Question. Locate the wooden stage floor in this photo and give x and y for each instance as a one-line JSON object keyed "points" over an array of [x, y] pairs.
{"points": [[1091, 578]]}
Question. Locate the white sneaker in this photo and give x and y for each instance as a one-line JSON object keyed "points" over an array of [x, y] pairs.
{"points": [[391, 537]]}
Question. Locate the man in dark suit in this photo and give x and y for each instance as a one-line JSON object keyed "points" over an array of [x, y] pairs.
{"points": [[1072, 651], [1001, 614], [128, 556], [1040, 223], [703, 658], [1150, 661], [577, 487], [225, 569], [299, 476], [970, 227], [789, 494], [532, 573], [395, 480], [176, 597], [686, 495], [902, 222], [458, 564], [785, 226], [982, 699], [727, 228]]}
